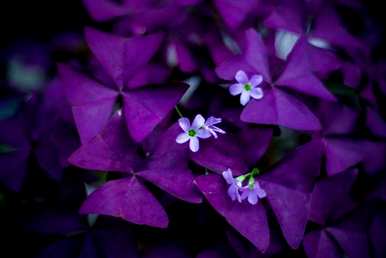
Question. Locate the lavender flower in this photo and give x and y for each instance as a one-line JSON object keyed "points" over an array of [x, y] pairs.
{"points": [[192, 132], [252, 191], [247, 87], [199, 129], [234, 185], [209, 125]]}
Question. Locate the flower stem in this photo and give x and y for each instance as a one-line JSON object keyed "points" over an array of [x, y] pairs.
{"points": [[178, 111], [255, 172]]}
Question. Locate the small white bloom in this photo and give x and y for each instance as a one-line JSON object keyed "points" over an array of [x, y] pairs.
{"points": [[209, 125], [200, 129], [247, 87], [193, 132], [234, 185]]}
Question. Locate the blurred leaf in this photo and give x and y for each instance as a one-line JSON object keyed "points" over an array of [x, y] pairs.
{"points": [[344, 93], [4, 148], [8, 108], [25, 78]]}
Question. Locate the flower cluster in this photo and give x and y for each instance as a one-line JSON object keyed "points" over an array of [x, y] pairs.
{"points": [[251, 191], [161, 113]]}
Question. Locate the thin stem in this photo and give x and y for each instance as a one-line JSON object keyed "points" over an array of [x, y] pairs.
{"points": [[255, 172], [178, 111]]}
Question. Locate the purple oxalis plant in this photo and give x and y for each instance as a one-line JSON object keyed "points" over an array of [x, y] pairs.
{"points": [[214, 128]]}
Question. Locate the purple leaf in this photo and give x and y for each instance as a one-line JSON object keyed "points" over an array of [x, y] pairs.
{"points": [[286, 16], [256, 54], [331, 197], [280, 108], [110, 150], [318, 244], [351, 235], [127, 199], [341, 154], [234, 12], [288, 188], [145, 109], [375, 123], [102, 10], [228, 69], [298, 77], [249, 220], [119, 56], [220, 154], [176, 181], [89, 100], [328, 27]]}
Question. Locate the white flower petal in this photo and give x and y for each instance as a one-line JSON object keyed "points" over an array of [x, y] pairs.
{"points": [[236, 89], [257, 93], [212, 121], [244, 193], [198, 121], [182, 138], [260, 191], [203, 133], [227, 175], [194, 144], [232, 192], [214, 130], [245, 96], [252, 198], [184, 124], [241, 77], [256, 80]]}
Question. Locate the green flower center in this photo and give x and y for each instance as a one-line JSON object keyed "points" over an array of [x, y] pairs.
{"points": [[247, 87], [192, 133]]}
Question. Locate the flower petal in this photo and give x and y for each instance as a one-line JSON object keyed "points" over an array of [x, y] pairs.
{"points": [[184, 123], [245, 97], [245, 193], [194, 144], [232, 192], [256, 80], [259, 191], [212, 121], [203, 133], [257, 93], [182, 138], [236, 89], [241, 77], [198, 121], [252, 197], [227, 175]]}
